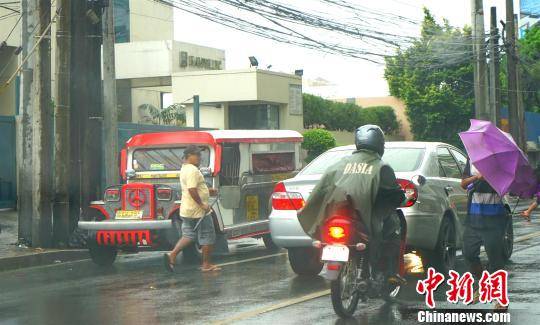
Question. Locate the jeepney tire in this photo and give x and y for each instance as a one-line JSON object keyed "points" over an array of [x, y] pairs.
{"points": [[269, 243], [102, 255], [305, 261]]}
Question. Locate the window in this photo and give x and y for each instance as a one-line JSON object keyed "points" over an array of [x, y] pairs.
{"points": [[254, 117], [266, 163], [447, 165], [460, 158], [403, 159], [161, 159], [121, 21]]}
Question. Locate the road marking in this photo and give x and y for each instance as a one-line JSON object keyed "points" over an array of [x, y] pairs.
{"points": [[252, 259], [527, 236], [283, 304]]}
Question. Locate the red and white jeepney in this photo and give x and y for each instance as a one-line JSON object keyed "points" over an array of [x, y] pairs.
{"points": [[244, 165]]}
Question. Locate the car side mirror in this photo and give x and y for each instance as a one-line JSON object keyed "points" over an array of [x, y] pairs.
{"points": [[419, 180]]}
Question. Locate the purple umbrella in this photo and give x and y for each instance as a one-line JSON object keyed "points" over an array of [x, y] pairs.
{"points": [[498, 158]]}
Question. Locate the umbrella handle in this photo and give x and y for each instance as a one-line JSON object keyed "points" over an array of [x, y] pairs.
{"points": [[515, 206]]}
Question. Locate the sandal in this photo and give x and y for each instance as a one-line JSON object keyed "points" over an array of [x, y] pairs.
{"points": [[167, 263], [210, 269]]}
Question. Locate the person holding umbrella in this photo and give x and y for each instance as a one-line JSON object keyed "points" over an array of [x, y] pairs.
{"points": [[496, 166], [527, 213]]}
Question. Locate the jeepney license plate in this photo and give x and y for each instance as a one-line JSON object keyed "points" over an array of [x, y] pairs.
{"points": [[252, 207], [129, 214], [335, 253]]}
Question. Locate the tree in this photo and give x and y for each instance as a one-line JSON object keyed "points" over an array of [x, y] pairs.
{"points": [[434, 77], [320, 112], [529, 56], [316, 142]]}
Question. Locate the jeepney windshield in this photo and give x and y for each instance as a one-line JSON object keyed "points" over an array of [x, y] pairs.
{"points": [[166, 159]]}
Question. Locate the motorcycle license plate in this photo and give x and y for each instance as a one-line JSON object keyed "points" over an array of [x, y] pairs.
{"points": [[129, 214], [335, 253]]}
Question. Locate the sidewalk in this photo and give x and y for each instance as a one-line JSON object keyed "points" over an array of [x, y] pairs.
{"points": [[13, 256]]}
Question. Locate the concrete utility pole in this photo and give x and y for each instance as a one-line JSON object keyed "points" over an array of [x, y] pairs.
{"points": [[520, 104], [480, 68], [494, 71], [42, 118], [110, 111], [24, 163], [61, 123], [513, 115]]}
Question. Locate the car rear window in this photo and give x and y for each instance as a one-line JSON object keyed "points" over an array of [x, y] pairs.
{"points": [[400, 159]]}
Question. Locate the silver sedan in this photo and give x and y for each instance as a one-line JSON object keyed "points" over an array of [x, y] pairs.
{"points": [[430, 172]]}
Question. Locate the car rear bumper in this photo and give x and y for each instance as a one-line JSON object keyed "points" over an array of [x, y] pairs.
{"points": [[125, 225], [286, 231]]}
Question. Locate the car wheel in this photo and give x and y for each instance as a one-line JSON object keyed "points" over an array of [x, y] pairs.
{"points": [[305, 260], [508, 240], [443, 257], [102, 255], [269, 243]]}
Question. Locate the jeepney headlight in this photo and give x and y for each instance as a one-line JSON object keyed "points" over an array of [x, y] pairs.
{"points": [[112, 195], [164, 194]]}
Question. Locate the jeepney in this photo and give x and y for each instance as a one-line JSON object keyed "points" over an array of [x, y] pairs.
{"points": [[243, 165]]}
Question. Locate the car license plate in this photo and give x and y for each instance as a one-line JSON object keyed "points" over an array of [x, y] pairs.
{"points": [[335, 253], [129, 214]]}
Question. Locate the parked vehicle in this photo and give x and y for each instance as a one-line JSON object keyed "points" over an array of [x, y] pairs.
{"points": [[244, 165], [430, 172], [344, 245]]}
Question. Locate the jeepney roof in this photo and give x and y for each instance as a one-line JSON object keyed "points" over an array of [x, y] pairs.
{"points": [[213, 137]]}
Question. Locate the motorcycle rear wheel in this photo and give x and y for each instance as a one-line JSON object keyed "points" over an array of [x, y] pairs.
{"points": [[343, 291]]}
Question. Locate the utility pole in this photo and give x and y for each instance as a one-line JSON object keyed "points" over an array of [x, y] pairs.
{"points": [[196, 112], [110, 111], [480, 68], [61, 123], [520, 105], [24, 163], [494, 71], [42, 118], [513, 115]]}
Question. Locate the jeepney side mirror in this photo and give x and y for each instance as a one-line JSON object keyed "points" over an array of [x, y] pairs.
{"points": [[130, 173], [206, 171]]}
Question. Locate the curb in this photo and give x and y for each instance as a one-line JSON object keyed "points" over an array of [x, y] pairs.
{"points": [[43, 258]]}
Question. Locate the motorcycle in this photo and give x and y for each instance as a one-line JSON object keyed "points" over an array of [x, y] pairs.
{"points": [[345, 245]]}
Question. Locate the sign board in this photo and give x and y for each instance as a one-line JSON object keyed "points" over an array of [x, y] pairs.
{"points": [[187, 60]]}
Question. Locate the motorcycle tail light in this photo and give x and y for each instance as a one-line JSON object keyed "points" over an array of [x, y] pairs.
{"points": [[112, 195], [336, 230], [164, 194], [283, 200], [411, 192]]}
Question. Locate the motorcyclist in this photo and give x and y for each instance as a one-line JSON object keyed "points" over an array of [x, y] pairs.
{"points": [[370, 187]]}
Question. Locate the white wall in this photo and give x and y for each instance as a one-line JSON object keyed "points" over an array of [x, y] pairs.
{"points": [[150, 21]]}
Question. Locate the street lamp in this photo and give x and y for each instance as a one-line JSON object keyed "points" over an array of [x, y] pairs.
{"points": [[253, 61]]}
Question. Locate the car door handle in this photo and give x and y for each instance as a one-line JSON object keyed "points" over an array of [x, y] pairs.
{"points": [[448, 190]]}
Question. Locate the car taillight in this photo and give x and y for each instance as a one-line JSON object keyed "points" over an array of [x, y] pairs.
{"points": [[283, 200], [411, 192], [112, 195], [164, 194], [336, 230]]}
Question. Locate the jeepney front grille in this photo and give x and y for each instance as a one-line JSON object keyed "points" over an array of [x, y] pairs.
{"points": [[138, 199]]}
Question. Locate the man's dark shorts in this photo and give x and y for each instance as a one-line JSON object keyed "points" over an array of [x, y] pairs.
{"points": [[204, 234]]}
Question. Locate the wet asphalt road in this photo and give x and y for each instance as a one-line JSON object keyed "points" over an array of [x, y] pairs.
{"points": [[256, 286]]}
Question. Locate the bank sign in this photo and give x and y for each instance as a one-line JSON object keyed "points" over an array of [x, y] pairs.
{"points": [[187, 60]]}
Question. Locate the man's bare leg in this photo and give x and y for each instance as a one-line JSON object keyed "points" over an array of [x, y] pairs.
{"points": [[206, 265], [181, 244]]}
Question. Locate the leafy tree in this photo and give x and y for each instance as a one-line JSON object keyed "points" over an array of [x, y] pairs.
{"points": [[529, 55], [316, 142], [434, 77], [320, 112]]}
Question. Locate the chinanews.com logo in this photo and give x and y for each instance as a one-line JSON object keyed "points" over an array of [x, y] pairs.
{"points": [[492, 287]]}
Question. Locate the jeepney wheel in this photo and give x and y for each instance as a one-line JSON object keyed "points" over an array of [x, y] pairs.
{"points": [[269, 243], [102, 255]]}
